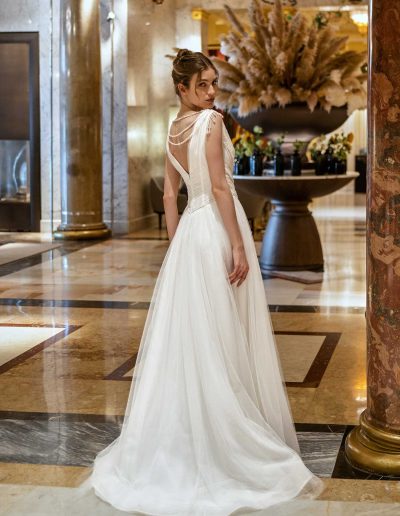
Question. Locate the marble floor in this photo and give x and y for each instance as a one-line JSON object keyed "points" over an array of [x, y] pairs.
{"points": [[71, 318]]}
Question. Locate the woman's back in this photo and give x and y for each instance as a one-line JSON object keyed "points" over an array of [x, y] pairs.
{"points": [[186, 148], [179, 136]]}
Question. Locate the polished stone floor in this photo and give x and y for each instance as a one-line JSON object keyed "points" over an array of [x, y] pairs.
{"points": [[71, 318]]}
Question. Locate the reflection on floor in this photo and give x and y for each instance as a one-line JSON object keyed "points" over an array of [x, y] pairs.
{"points": [[13, 251], [71, 320]]}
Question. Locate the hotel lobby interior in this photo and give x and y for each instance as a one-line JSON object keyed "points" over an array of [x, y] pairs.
{"points": [[84, 117]]}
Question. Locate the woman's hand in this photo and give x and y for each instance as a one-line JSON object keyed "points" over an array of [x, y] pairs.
{"points": [[240, 265]]}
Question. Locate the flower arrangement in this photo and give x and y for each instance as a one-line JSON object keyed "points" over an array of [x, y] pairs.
{"points": [[243, 142], [318, 147], [338, 145], [330, 154], [279, 142], [297, 145], [286, 59], [246, 143]]}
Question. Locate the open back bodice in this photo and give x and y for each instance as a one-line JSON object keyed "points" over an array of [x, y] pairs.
{"points": [[186, 149]]}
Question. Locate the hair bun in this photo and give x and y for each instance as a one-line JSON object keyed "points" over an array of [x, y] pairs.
{"points": [[183, 52]]}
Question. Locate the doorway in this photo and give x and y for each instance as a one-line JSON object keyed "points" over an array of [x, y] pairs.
{"points": [[19, 132]]}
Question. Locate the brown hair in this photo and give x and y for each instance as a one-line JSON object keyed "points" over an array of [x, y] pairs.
{"points": [[186, 64]]}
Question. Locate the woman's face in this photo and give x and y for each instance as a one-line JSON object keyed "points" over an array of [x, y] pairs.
{"points": [[201, 91]]}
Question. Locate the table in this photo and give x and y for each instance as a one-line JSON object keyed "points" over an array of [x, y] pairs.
{"points": [[291, 240]]}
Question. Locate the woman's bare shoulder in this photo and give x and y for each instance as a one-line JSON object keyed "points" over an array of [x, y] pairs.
{"points": [[213, 118]]}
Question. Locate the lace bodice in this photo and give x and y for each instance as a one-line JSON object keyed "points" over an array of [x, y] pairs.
{"points": [[188, 141]]}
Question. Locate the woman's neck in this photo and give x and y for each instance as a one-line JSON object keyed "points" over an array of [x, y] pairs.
{"points": [[185, 110]]}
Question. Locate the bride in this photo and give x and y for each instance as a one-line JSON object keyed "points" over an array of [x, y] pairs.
{"points": [[208, 429]]}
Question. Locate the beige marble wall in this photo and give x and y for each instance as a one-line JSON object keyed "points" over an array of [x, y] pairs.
{"points": [[151, 35], [35, 16], [43, 16], [114, 46]]}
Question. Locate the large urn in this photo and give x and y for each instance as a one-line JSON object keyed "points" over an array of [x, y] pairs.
{"points": [[295, 120]]}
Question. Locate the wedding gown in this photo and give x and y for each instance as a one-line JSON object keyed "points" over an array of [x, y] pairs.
{"points": [[208, 429]]}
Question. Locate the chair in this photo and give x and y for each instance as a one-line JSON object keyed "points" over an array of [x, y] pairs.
{"points": [[156, 197], [252, 204]]}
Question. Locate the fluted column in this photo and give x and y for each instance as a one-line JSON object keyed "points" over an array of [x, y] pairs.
{"points": [[80, 120], [375, 444]]}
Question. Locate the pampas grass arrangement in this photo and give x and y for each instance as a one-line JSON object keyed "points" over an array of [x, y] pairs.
{"points": [[287, 60]]}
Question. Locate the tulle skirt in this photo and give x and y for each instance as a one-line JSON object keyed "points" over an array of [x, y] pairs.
{"points": [[208, 429]]}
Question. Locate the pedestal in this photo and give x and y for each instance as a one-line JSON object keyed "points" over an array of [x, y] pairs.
{"points": [[291, 240]]}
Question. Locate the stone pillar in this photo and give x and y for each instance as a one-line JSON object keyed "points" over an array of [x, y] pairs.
{"points": [[80, 120], [375, 445], [192, 29], [201, 17]]}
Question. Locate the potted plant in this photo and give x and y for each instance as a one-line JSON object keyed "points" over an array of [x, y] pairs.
{"points": [[244, 146], [288, 62], [317, 152], [339, 145], [279, 162], [241, 162], [295, 158], [256, 159], [330, 155], [250, 148]]}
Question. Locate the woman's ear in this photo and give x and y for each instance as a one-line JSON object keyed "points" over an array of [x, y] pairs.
{"points": [[181, 88]]}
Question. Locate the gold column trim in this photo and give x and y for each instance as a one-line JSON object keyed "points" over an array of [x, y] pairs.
{"points": [[95, 234], [373, 449]]}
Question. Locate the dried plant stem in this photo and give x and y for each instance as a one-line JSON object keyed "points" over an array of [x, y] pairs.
{"points": [[287, 60]]}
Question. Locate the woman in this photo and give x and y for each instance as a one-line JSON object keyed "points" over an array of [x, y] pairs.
{"points": [[208, 429]]}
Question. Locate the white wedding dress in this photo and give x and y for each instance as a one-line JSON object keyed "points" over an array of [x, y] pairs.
{"points": [[208, 429]]}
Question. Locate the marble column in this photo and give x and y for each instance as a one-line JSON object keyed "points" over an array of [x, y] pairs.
{"points": [[375, 444], [80, 121], [201, 16]]}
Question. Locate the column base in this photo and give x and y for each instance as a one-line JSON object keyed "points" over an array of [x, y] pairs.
{"points": [[372, 449], [82, 234]]}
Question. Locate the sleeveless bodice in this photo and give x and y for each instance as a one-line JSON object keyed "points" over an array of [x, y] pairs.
{"points": [[198, 180]]}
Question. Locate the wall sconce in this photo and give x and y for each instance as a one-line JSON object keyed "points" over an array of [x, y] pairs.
{"points": [[199, 14]]}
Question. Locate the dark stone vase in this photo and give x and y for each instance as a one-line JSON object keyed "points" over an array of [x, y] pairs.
{"points": [[241, 166], [279, 163], [295, 164], [330, 163], [296, 120], [340, 166], [320, 165], [256, 164]]}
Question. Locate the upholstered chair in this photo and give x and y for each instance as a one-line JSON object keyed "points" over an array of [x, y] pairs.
{"points": [[156, 197], [252, 204]]}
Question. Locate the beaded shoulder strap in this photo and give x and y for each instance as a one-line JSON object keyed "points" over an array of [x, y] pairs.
{"points": [[171, 136], [189, 126], [212, 120]]}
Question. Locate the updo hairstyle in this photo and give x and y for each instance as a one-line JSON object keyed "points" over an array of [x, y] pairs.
{"points": [[186, 64]]}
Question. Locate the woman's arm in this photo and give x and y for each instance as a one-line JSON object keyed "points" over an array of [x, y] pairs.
{"points": [[172, 180], [224, 200]]}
